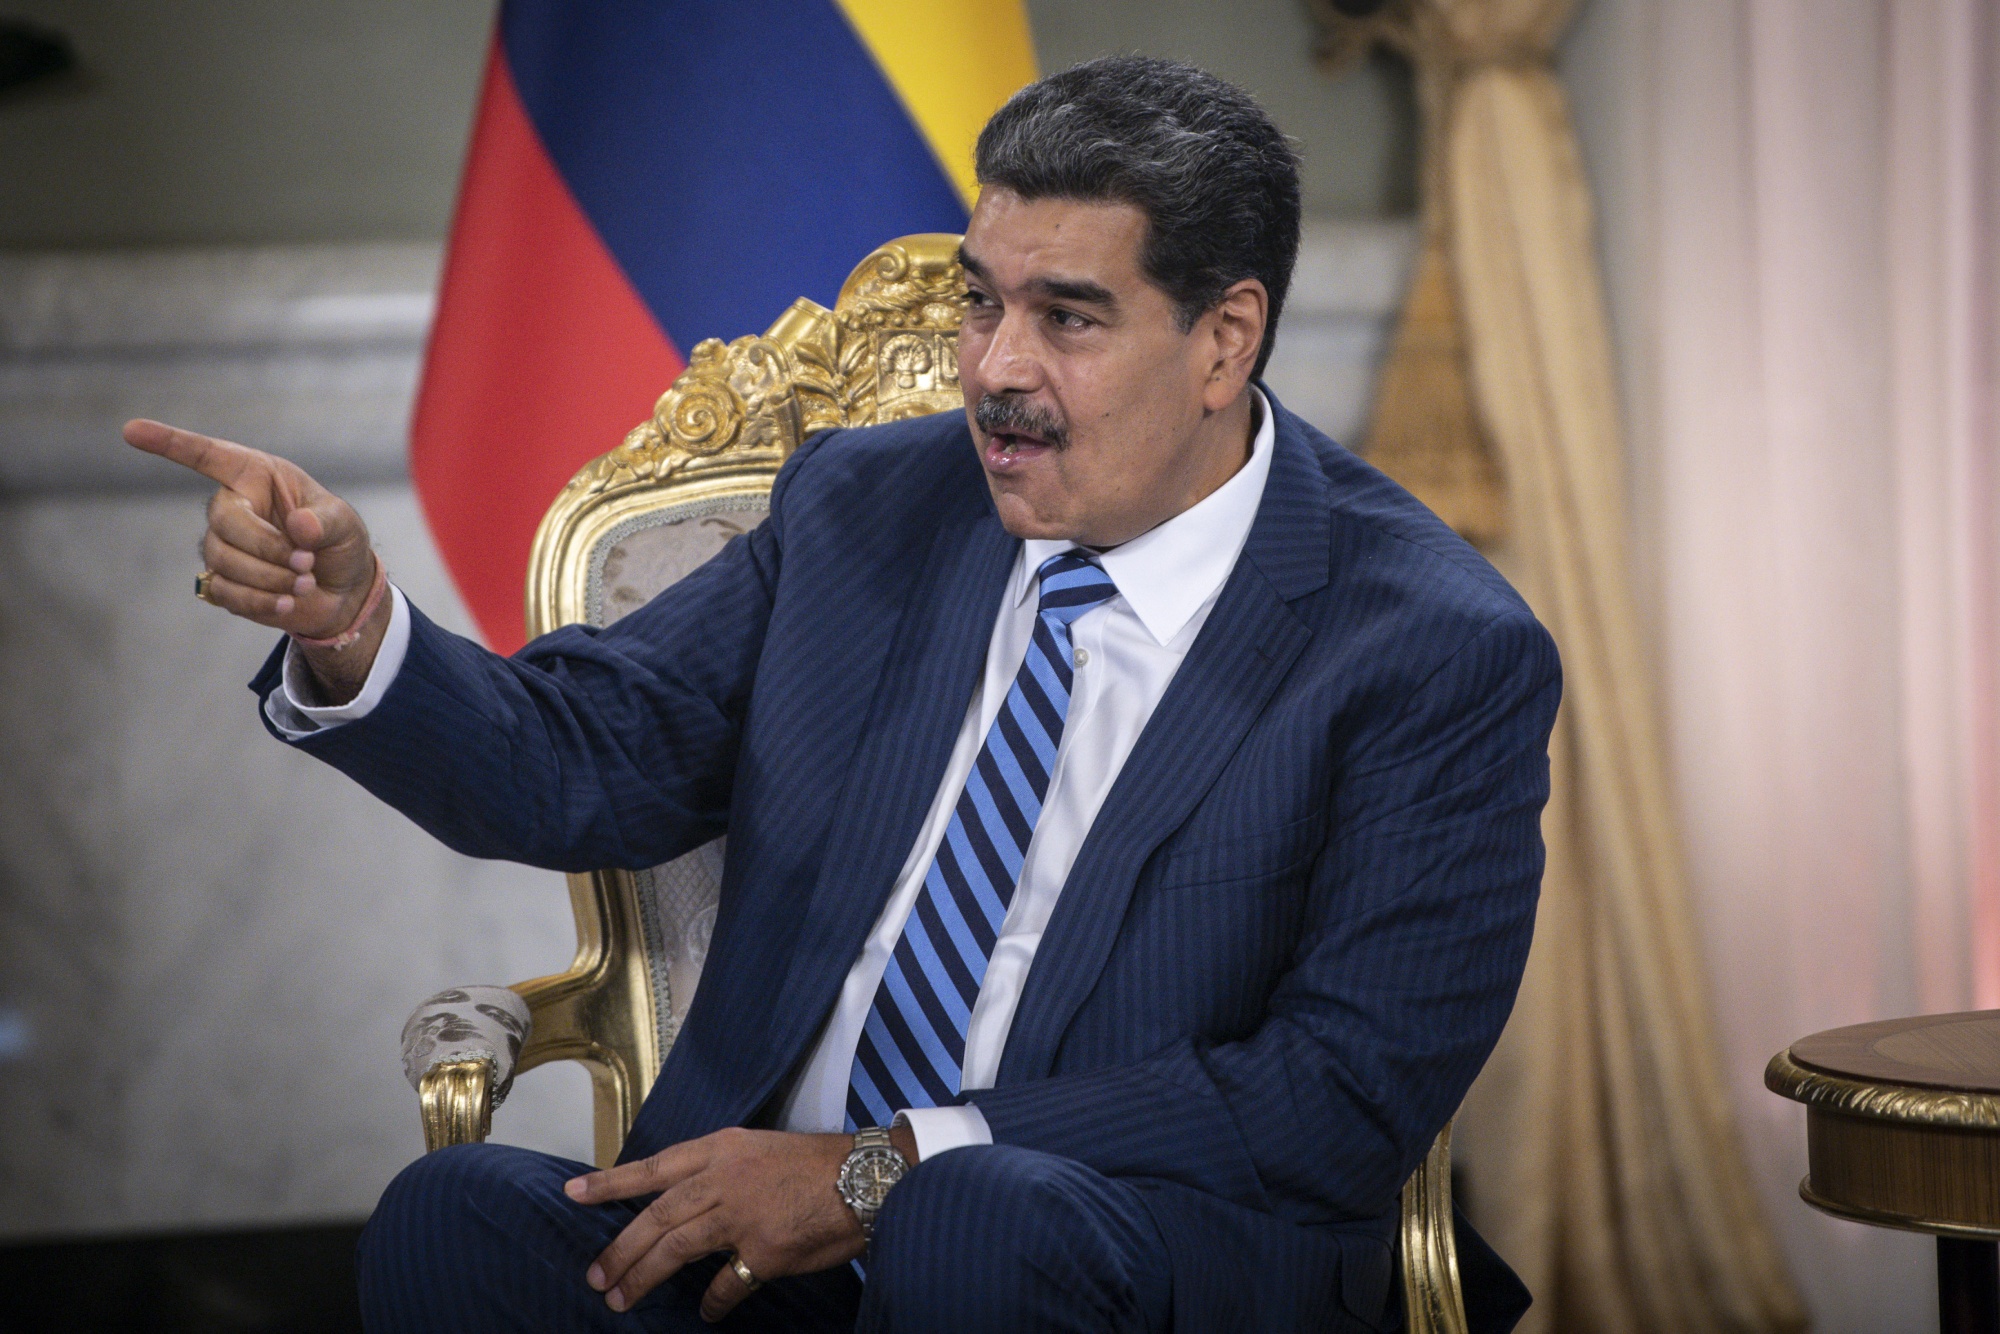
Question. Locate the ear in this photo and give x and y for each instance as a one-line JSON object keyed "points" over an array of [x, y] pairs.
{"points": [[1235, 326]]}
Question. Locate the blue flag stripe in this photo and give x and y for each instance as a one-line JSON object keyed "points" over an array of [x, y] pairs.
{"points": [[725, 185]]}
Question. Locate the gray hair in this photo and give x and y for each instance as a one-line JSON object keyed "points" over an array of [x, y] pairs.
{"points": [[1217, 180]]}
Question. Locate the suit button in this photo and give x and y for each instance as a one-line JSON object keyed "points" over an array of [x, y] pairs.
{"points": [[1083, 657]]}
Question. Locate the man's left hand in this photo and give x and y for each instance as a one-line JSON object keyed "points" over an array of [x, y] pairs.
{"points": [[767, 1196]]}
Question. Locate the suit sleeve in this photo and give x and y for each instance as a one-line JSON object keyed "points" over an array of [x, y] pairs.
{"points": [[1420, 910], [588, 748]]}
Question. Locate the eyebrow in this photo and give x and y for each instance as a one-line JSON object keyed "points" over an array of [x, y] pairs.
{"points": [[1080, 290]]}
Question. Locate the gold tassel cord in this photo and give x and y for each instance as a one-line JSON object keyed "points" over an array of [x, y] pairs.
{"points": [[1423, 432], [1599, 1143]]}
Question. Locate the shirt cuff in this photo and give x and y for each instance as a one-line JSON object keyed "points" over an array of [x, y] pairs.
{"points": [[937, 1129], [295, 719]]}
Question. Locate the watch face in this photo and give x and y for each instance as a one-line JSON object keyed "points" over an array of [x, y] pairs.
{"points": [[867, 1175]]}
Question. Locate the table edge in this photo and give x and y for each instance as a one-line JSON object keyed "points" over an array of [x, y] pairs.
{"points": [[1909, 1104]]}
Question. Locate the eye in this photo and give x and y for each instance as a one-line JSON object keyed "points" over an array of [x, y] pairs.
{"points": [[1068, 319], [976, 299]]}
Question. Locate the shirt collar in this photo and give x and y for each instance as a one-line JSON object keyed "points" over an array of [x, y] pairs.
{"points": [[1168, 572]]}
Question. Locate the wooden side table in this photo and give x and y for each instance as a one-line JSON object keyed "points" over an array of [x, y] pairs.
{"points": [[1903, 1131]]}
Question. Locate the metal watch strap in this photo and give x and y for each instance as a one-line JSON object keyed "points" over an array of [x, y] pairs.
{"points": [[871, 1137]]}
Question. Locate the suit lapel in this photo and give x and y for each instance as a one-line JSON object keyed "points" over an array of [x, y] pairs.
{"points": [[934, 663], [1249, 643]]}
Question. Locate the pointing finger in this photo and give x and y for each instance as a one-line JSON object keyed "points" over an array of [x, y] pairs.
{"points": [[221, 461]]}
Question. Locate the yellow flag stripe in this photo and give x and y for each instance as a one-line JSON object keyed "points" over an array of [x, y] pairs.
{"points": [[953, 62]]}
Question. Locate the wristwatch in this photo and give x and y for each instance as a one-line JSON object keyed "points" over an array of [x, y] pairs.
{"points": [[866, 1176]]}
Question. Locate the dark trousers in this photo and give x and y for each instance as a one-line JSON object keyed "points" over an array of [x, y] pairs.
{"points": [[481, 1238]]}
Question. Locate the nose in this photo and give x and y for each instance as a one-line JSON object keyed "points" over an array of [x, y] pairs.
{"points": [[1007, 358]]}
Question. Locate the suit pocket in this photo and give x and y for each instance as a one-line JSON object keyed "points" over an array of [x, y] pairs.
{"points": [[1252, 856]]}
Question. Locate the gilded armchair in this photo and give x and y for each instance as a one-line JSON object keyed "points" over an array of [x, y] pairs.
{"points": [[630, 524]]}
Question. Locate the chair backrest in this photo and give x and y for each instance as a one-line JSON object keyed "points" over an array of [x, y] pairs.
{"points": [[694, 475]]}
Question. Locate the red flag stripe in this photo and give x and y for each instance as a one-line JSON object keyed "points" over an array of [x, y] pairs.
{"points": [[541, 358]]}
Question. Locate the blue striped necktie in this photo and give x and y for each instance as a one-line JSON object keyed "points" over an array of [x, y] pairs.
{"points": [[912, 1046]]}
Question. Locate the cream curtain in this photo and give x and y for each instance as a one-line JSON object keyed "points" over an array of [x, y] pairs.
{"points": [[1806, 198], [1650, 1182], [1604, 1160]]}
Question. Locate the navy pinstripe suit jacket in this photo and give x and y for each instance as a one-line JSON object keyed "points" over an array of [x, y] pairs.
{"points": [[1287, 945]]}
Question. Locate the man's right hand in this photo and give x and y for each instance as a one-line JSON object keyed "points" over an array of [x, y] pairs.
{"points": [[283, 551]]}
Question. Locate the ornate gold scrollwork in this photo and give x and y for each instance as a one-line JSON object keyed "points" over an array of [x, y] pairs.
{"points": [[886, 351], [739, 398], [899, 314], [457, 1102], [811, 339], [1907, 1104]]}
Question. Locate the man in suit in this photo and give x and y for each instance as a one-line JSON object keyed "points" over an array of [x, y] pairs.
{"points": [[1132, 803]]}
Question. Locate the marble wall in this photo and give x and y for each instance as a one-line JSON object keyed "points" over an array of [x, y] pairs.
{"points": [[211, 941], [208, 942]]}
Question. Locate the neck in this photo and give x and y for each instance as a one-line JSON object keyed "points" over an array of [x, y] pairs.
{"points": [[1224, 441]]}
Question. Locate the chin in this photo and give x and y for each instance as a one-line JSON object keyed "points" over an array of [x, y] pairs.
{"points": [[1022, 520]]}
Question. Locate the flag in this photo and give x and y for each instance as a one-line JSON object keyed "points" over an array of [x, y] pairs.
{"points": [[645, 174]]}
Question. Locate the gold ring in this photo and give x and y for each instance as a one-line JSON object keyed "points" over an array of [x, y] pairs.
{"points": [[750, 1280], [201, 586]]}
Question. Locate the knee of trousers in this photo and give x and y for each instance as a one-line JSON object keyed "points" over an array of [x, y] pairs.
{"points": [[996, 1237], [443, 1229]]}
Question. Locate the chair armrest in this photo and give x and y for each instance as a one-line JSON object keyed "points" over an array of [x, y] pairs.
{"points": [[1432, 1300], [460, 1051], [456, 1100]]}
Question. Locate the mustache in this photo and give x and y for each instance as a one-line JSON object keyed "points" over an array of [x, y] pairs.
{"points": [[1004, 414]]}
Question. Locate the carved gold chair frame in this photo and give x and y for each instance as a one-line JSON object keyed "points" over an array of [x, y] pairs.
{"points": [[886, 351]]}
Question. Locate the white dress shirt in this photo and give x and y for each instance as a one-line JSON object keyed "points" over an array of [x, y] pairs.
{"points": [[1127, 651], [294, 718]]}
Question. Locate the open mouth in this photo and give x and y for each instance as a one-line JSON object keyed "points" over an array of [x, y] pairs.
{"points": [[1006, 450], [1017, 431]]}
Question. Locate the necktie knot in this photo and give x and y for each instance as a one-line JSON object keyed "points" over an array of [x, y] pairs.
{"points": [[1072, 584]]}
